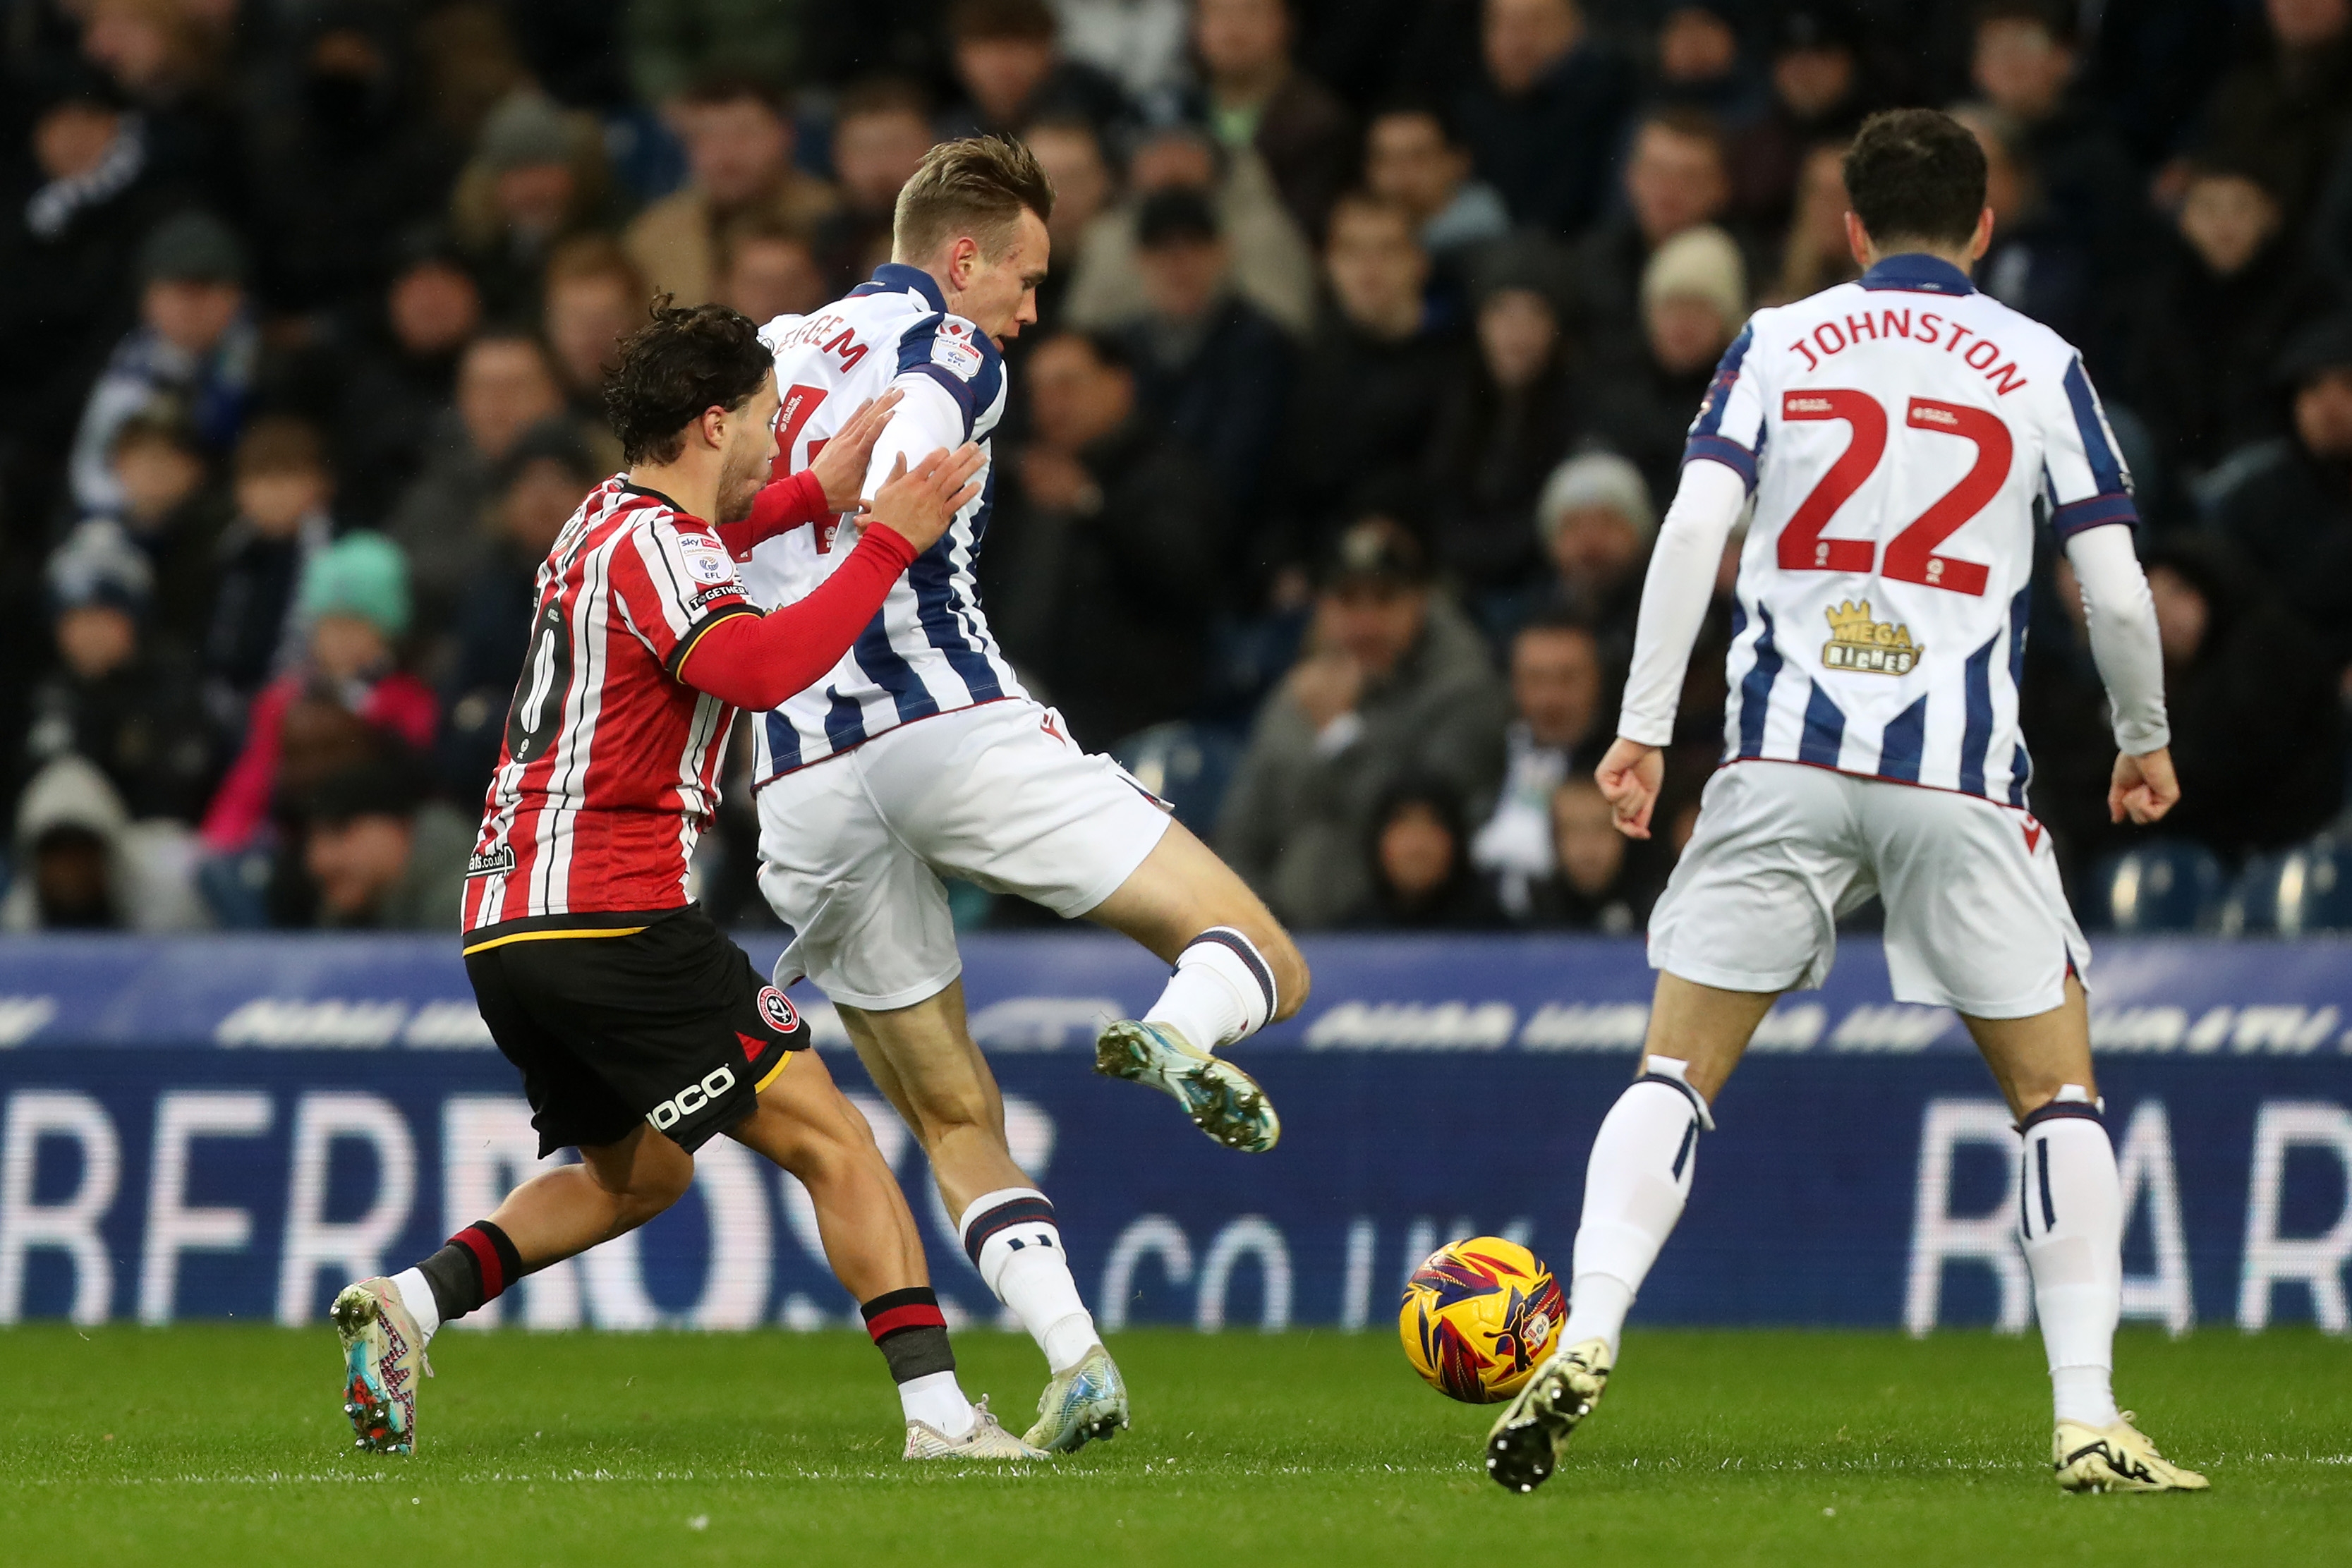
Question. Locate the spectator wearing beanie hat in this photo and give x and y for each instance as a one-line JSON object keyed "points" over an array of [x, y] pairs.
{"points": [[1596, 520], [196, 345], [1694, 298], [355, 602], [538, 175], [113, 699]]}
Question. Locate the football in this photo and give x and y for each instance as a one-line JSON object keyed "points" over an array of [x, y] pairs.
{"points": [[1479, 1316]]}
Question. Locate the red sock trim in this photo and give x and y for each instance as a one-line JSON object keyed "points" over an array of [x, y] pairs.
{"points": [[914, 1315], [486, 1255]]}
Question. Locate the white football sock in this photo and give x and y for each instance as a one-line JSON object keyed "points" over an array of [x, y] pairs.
{"points": [[1221, 990], [937, 1399], [2071, 1215], [416, 1295], [1013, 1240], [1635, 1186]]}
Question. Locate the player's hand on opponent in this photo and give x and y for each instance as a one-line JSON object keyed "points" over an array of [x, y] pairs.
{"points": [[919, 504], [2144, 787], [840, 467], [1629, 777]]}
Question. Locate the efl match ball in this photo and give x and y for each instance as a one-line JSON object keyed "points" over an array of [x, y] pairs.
{"points": [[1479, 1317]]}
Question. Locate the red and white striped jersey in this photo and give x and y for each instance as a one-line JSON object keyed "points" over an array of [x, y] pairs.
{"points": [[610, 767]]}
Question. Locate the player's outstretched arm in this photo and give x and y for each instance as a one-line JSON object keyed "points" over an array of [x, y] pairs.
{"points": [[825, 488], [2121, 617], [840, 469], [757, 661]]}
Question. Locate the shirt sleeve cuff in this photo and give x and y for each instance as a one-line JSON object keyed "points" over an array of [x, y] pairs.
{"points": [[1645, 729]]}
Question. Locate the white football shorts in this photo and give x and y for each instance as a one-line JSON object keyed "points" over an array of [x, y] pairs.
{"points": [[852, 848], [1975, 918]]}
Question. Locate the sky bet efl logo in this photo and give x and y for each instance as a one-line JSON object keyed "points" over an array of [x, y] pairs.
{"points": [[690, 1099]]}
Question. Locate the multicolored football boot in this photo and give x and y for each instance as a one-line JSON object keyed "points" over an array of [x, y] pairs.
{"points": [[383, 1354], [988, 1440], [1086, 1402], [1523, 1449], [1223, 1101], [2116, 1459]]}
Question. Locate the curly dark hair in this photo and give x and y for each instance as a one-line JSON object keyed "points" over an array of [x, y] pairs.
{"points": [[683, 361], [1916, 174]]}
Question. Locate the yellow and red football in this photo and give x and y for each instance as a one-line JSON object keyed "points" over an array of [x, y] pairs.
{"points": [[1479, 1316]]}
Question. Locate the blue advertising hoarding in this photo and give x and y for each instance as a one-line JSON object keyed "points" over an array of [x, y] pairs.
{"points": [[234, 1126]]}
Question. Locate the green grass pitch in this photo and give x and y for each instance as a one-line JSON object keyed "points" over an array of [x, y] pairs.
{"points": [[225, 1445]]}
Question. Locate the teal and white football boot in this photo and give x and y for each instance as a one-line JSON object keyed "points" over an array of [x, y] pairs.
{"points": [[1223, 1101], [1086, 1403], [382, 1355]]}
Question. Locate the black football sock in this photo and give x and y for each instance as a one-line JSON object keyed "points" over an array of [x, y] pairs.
{"points": [[476, 1266]]}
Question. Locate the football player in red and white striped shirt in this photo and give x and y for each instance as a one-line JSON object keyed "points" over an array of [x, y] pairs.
{"points": [[640, 1031]]}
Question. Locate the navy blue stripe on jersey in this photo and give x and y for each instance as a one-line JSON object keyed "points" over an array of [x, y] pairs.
{"points": [[2094, 512], [1824, 734], [937, 611], [1976, 738], [1756, 689], [1719, 390], [844, 721], [783, 742], [1917, 273], [885, 667], [2107, 468], [1724, 450], [2020, 609], [1901, 743]]}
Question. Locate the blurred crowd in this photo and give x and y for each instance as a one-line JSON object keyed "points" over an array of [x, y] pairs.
{"points": [[1332, 466]]}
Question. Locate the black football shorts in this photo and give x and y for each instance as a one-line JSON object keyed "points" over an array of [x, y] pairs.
{"points": [[668, 1024]]}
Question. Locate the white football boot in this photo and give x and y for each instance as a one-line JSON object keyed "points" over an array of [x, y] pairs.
{"points": [[988, 1440], [2116, 1459], [1524, 1448], [1223, 1101], [1086, 1402], [383, 1354]]}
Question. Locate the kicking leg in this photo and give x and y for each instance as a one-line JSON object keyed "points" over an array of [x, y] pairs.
{"points": [[1635, 1183], [1235, 971], [2071, 1218], [923, 1059]]}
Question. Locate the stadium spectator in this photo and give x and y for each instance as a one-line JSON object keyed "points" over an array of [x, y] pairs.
{"points": [[537, 177], [396, 385], [196, 346], [2025, 63], [2287, 504], [82, 863], [672, 45], [382, 856], [166, 58], [1676, 178], [1699, 62], [1818, 95], [1369, 380], [2288, 104], [880, 132], [505, 385], [1419, 865], [1414, 157], [1597, 882], [593, 296], [1395, 682], [1814, 254], [1557, 727], [1117, 550], [1270, 263], [1071, 153], [284, 488], [1694, 300], [1256, 102], [1009, 64], [2036, 264], [170, 511], [116, 699], [1543, 121], [1141, 43], [739, 144], [1213, 371], [1596, 520], [2201, 354], [1499, 432], [354, 601], [766, 271], [539, 486], [341, 157]]}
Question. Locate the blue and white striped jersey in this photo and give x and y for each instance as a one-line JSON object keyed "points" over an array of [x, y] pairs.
{"points": [[929, 651], [1898, 433]]}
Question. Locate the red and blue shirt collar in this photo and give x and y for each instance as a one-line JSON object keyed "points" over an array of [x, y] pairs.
{"points": [[896, 277], [1917, 273]]}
